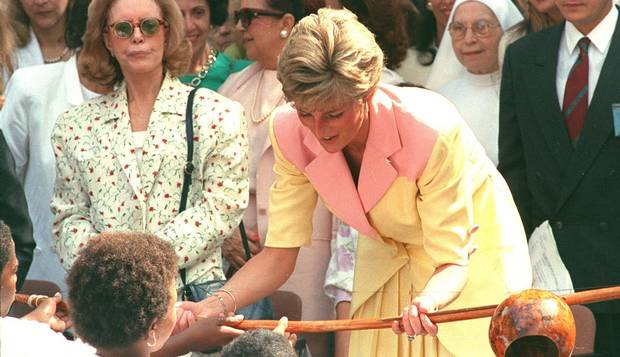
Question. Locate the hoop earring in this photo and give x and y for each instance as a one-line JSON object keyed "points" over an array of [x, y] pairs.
{"points": [[148, 342], [283, 34]]}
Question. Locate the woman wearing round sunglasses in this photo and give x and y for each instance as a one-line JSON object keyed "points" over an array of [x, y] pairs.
{"points": [[121, 157], [265, 26], [208, 67]]}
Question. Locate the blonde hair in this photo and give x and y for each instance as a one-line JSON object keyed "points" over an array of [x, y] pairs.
{"points": [[534, 20], [98, 65], [330, 57], [8, 41]]}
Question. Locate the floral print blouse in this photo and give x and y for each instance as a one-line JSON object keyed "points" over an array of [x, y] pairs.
{"points": [[100, 186]]}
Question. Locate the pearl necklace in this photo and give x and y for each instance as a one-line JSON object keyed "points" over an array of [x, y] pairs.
{"points": [[258, 90], [57, 59], [195, 82]]}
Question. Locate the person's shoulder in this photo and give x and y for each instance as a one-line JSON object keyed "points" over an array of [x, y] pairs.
{"points": [[235, 80], [422, 106], [534, 42], [88, 111], [33, 79], [285, 119], [17, 334]]}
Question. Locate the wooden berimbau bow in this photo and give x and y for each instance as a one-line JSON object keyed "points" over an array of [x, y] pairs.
{"points": [[582, 297]]}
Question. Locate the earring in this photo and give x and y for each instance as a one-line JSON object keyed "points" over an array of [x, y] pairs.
{"points": [[152, 334], [429, 5], [283, 34]]}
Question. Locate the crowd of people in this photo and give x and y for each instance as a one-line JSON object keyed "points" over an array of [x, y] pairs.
{"points": [[170, 163]]}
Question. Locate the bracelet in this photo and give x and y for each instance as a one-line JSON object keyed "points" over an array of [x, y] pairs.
{"points": [[224, 307], [35, 300], [231, 296]]}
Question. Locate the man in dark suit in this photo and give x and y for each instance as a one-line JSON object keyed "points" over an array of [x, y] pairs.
{"points": [[558, 149], [14, 212]]}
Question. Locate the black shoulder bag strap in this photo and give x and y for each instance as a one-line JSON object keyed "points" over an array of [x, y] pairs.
{"points": [[187, 180], [188, 168]]}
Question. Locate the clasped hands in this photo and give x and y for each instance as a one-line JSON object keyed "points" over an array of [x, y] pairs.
{"points": [[206, 332]]}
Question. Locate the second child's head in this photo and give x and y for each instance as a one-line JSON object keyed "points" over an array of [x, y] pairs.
{"points": [[8, 269], [122, 292]]}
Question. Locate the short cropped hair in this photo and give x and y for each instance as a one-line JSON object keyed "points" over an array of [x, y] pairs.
{"points": [[98, 65], [119, 285], [259, 343], [329, 57], [6, 245]]}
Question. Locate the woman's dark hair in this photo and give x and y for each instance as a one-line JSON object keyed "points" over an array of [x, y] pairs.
{"points": [[294, 7], [119, 284], [6, 245], [77, 14], [219, 11], [386, 20], [425, 34]]}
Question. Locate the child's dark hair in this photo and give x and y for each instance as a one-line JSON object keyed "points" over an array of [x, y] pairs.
{"points": [[6, 245]]}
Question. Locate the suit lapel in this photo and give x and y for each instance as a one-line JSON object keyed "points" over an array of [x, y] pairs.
{"points": [[543, 90], [119, 135], [168, 115], [377, 173], [598, 123]]}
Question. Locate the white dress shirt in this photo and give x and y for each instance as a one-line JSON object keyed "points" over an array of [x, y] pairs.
{"points": [[35, 97], [600, 38]]}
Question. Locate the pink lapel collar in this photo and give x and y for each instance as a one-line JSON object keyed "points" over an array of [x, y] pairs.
{"points": [[331, 178], [377, 172]]}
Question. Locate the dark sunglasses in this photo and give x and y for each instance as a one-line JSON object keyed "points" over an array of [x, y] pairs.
{"points": [[148, 27], [247, 15]]}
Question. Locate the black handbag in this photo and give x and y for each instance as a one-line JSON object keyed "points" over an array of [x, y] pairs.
{"points": [[260, 310]]}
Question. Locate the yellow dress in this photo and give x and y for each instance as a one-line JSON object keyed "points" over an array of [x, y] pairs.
{"points": [[425, 183]]}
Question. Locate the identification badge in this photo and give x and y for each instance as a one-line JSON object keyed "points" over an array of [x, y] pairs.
{"points": [[615, 109]]}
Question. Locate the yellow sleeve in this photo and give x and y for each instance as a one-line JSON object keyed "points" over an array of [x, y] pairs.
{"points": [[292, 200], [445, 202]]}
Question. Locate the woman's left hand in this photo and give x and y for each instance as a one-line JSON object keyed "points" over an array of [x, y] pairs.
{"points": [[415, 320]]}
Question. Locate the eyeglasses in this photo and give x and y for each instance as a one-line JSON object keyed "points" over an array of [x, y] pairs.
{"points": [[148, 27], [480, 28], [246, 16]]}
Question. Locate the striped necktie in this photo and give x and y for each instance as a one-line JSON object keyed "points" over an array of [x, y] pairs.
{"points": [[575, 105]]}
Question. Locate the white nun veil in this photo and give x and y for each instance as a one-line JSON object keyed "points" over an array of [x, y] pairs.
{"points": [[446, 66]]}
